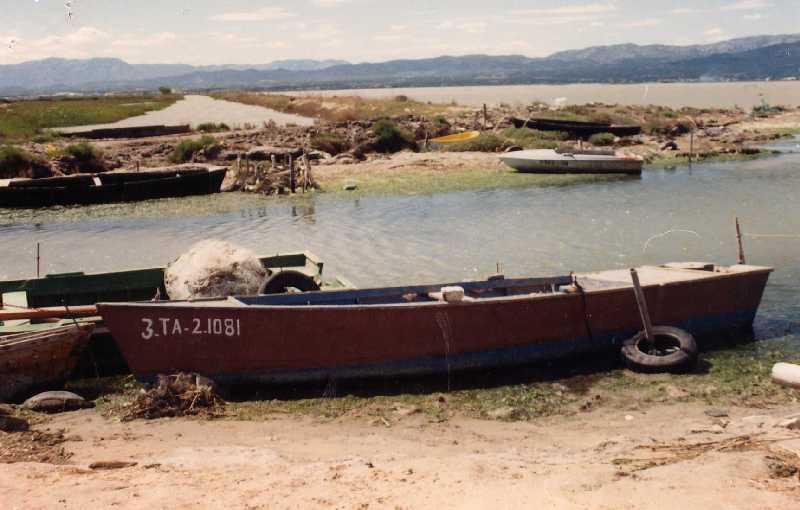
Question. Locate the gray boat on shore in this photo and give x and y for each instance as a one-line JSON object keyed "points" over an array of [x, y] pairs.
{"points": [[548, 161]]}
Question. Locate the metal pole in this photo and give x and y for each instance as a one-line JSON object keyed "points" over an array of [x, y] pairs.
{"points": [[640, 300], [740, 257]]}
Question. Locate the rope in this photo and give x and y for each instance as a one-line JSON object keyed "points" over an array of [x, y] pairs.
{"points": [[773, 236], [664, 234]]}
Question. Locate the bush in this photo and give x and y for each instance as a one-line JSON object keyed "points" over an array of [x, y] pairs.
{"points": [[13, 162], [211, 127], [390, 138], [535, 139], [401, 99], [484, 143], [332, 143], [88, 158], [165, 91], [602, 139], [186, 149]]}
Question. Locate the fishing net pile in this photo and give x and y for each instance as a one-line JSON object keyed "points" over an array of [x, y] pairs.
{"points": [[214, 268], [174, 395]]}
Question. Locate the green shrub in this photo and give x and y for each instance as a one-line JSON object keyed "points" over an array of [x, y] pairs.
{"points": [[13, 162], [487, 142], [390, 138], [211, 127], [88, 158], [602, 139], [535, 139], [332, 143], [401, 99], [186, 149]]}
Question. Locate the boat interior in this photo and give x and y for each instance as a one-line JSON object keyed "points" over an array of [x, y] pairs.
{"points": [[103, 179], [491, 288]]}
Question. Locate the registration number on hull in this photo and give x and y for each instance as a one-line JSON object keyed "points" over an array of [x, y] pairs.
{"points": [[166, 326]]}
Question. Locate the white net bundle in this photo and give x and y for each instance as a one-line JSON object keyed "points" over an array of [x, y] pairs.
{"points": [[214, 268]]}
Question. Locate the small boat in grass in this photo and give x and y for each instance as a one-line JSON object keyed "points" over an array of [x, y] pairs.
{"points": [[576, 128], [548, 161], [426, 328], [40, 360], [112, 187]]}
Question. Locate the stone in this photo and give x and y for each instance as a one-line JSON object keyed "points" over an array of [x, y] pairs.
{"points": [[716, 413], [56, 402], [402, 410], [6, 409], [508, 414], [13, 424], [792, 423]]}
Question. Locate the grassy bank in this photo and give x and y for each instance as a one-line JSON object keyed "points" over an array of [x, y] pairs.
{"points": [[23, 120], [339, 108], [735, 377]]}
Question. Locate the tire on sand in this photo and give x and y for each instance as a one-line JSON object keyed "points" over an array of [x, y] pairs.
{"points": [[674, 350], [281, 282]]}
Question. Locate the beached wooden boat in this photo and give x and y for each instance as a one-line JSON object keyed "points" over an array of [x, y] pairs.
{"points": [[576, 128], [548, 161], [39, 360], [112, 187], [425, 329]]}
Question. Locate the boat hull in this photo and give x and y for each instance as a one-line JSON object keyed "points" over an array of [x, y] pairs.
{"points": [[549, 162], [31, 362], [579, 129], [114, 188], [232, 342]]}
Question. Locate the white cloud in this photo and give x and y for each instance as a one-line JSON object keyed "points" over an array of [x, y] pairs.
{"points": [[715, 34], [747, 5], [145, 41], [263, 14], [754, 17], [566, 10], [329, 3], [642, 23]]}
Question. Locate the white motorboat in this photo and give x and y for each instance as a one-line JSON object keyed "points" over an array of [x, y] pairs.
{"points": [[548, 161]]}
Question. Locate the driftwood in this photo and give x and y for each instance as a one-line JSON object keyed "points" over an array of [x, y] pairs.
{"points": [[282, 172]]}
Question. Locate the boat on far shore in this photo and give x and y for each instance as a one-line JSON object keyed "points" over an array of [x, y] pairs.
{"points": [[112, 187], [576, 128], [549, 161]]}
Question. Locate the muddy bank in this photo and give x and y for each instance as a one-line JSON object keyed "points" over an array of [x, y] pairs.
{"points": [[689, 455]]}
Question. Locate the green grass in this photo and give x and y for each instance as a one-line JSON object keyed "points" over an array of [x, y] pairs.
{"points": [[88, 157], [390, 138], [23, 120], [535, 139], [212, 127], [332, 143], [13, 161], [186, 149], [486, 142]]}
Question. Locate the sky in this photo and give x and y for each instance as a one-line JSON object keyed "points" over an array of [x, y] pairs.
{"points": [[257, 32]]}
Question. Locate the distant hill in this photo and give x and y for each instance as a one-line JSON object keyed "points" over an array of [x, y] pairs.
{"points": [[750, 58]]}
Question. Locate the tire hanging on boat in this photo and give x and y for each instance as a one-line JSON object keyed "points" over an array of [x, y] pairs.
{"points": [[279, 283], [674, 350]]}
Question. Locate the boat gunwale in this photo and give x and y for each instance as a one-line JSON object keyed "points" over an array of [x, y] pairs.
{"points": [[233, 303]]}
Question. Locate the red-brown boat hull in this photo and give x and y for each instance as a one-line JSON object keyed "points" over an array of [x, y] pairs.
{"points": [[286, 343]]}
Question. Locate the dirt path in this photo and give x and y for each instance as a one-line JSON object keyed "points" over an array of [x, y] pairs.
{"points": [[582, 461]]}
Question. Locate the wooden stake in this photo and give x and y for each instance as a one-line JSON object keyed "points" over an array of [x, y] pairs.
{"points": [[292, 183], [307, 173], [740, 257], [642, 303], [485, 117], [691, 146], [38, 259]]}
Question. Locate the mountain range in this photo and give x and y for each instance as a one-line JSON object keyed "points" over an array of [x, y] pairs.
{"points": [[750, 58]]}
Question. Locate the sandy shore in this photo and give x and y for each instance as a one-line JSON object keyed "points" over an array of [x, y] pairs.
{"points": [[607, 458]]}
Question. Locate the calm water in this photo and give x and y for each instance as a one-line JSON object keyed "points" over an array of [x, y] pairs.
{"points": [[675, 95], [529, 230]]}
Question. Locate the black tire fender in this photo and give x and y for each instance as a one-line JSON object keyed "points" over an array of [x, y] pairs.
{"points": [[675, 350], [278, 283]]}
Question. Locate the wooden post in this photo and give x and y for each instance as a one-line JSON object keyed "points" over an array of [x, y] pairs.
{"points": [[292, 183], [691, 146], [740, 257], [485, 117], [307, 176], [642, 303], [38, 259]]}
